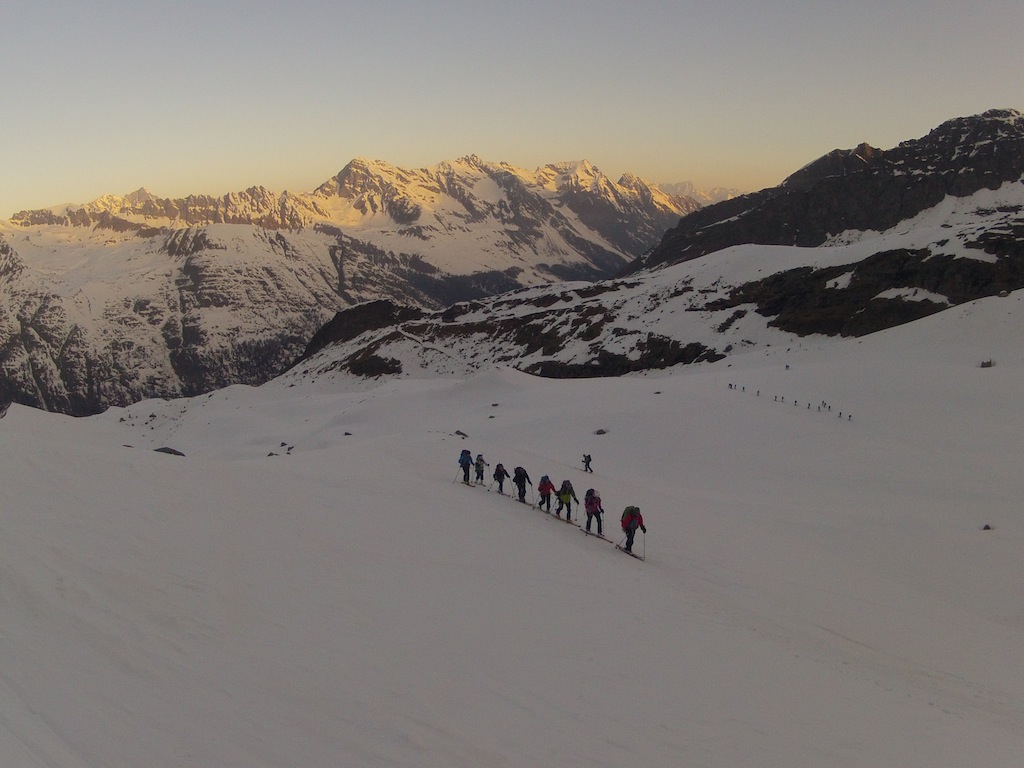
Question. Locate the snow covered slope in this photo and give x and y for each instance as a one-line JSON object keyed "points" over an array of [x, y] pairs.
{"points": [[139, 296], [308, 586]]}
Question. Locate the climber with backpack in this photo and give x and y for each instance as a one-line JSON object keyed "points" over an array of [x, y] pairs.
{"points": [[544, 491], [465, 461], [521, 480], [566, 495], [592, 505], [479, 465], [500, 474], [631, 520]]}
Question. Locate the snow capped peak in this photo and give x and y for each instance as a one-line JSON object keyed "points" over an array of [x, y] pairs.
{"points": [[473, 161], [639, 184], [584, 169], [579, 173], [140, 195], [116, 203], [356, 173], [1005, 115], [111, 203], [647, 191], [960, 136], [703, 196]]}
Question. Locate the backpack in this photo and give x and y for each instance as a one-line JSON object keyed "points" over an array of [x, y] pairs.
{"points": [[627, 516]]}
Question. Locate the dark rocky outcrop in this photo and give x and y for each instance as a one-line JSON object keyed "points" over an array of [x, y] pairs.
{"points": [[803, 301], [353, 322], [860, 189]]}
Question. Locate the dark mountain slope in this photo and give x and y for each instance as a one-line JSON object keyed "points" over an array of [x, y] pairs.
{"points": [[859, 189]]}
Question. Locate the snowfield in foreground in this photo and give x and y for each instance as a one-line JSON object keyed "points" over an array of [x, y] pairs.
{"points": [[819, 587]]}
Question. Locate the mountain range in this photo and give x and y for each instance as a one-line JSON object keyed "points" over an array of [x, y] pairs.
{"points": [[703, 196], [558, 272], [139, 296], [853, 243]]}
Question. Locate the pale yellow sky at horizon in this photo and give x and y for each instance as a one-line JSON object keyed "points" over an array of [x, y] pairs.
{"points": [[106, 96]]}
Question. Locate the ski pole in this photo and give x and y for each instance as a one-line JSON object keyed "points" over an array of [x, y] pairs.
{"points": [[644, 544]]}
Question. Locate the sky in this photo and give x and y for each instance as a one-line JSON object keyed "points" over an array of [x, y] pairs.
{"points": [[105, 96]]}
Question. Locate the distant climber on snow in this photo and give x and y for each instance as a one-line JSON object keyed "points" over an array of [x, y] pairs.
{"points": [[586, 463]]}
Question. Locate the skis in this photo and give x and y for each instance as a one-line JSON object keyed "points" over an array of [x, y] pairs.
{"points": [[631, 554], [618, 547], [559, 518]]}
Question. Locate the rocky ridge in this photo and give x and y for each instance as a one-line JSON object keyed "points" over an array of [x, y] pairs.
{"points": [[862, 189]]}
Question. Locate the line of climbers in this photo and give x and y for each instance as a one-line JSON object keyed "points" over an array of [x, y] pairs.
{"points": [[566, 494]]}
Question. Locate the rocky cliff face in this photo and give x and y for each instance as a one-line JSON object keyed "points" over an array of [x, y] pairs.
{"points": [[857, 190], [138, 296]]}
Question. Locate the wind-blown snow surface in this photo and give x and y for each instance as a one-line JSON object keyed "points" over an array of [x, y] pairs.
{"points": [[818, 590]]}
